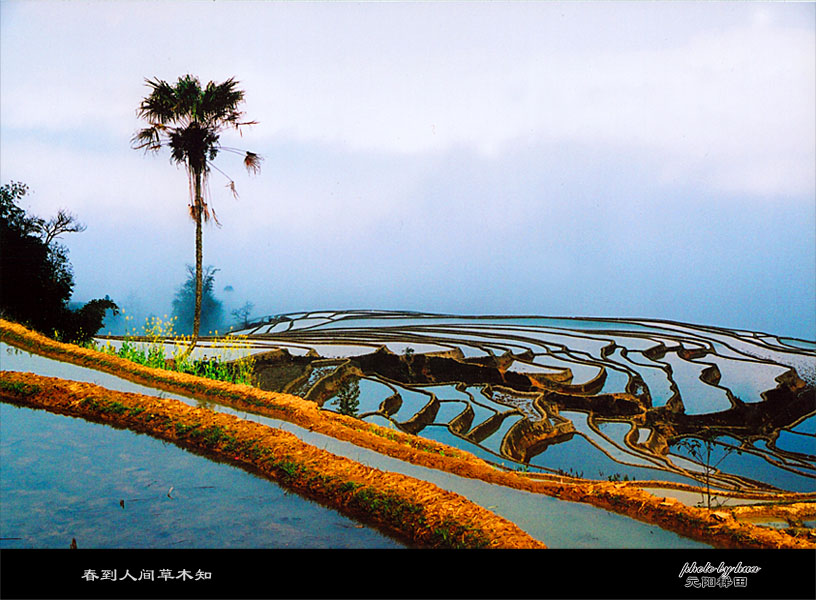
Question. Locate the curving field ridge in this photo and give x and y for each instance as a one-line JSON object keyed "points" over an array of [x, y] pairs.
{"points": [[416, 511], [720, 528], [629, 396]]}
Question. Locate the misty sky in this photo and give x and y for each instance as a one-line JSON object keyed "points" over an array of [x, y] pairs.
{"points": [[650, 159]]}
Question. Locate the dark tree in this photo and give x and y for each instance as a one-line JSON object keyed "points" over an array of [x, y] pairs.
{"points": [[64, 222], [348, 397], [703, 451], [184, 304], [82, 324], [36, 278], [241, 315], [12, 215]]}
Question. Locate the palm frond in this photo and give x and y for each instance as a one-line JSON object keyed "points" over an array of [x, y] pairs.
{"points": [[252, 162], [230, 185], [244, 124], [198, 210], [192, 145], [188, 118], [188, 98], [148, 139], [160, 105], [219, 103]]}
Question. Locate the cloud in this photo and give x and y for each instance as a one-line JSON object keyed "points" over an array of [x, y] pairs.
{"points": [[728, 107], [494, 155], [728, 103], [118, 186]]}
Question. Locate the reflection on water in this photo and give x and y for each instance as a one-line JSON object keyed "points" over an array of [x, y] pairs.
{"points": [[671, 381], [560, 524], [65, 478]]}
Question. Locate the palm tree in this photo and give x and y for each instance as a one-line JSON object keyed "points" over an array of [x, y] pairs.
{"points": [[189, 119]]}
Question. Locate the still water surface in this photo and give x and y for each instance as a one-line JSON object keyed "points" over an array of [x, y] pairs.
{"points": [[65, 478], [557, 523]]}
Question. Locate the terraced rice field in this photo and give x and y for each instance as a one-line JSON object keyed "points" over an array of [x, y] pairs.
{"points": [[524, 416], [609, 398]]}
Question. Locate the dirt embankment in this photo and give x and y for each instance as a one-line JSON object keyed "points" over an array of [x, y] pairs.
{"points": [[416, 511], [718, 528]]}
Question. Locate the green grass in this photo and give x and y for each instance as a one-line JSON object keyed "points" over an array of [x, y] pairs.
{"points": [[108, 406], [117, 408], [182, 430], [153, 355], [19, 388], [448, 534], [389, 505], [451, 534]]}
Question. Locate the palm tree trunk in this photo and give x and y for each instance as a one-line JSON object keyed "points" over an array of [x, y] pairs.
{"points": [[197, 214], [198, 209]]}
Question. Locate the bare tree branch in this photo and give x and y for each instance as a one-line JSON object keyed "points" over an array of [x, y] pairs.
{"points": [[64, 222]]}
